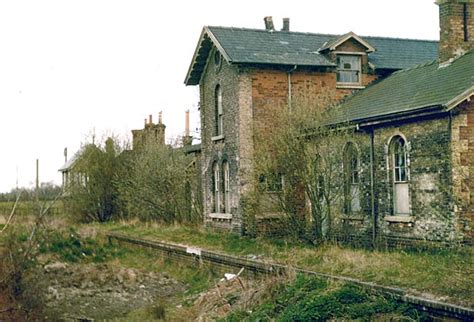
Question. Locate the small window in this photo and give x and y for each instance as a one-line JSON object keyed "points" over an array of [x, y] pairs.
{"points": [[219, 114], [226, 190], [351, 178], [217, 60], [400, 176], [400, 160], [272, 182], [348, 69], [216, 197]]}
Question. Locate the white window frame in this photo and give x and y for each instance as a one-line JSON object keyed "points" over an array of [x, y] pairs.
{"points": [[225, 167], [216, 191], [400, 175]]}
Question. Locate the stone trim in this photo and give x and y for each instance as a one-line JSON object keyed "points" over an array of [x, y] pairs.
{"points": [[217, 138], [348, 86], [220, 216], [400, 218]]}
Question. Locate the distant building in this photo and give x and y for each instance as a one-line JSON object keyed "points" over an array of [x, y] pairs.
{"points": [[150, 133]]}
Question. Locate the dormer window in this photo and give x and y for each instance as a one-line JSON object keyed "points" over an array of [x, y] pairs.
{"points": [[348, 69]]}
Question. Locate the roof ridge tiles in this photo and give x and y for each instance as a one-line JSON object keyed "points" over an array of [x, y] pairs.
{"points": [[320, 34], [425, 64]]}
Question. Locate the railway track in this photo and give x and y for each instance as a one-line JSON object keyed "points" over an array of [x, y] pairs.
{"points": [[255, 268]]}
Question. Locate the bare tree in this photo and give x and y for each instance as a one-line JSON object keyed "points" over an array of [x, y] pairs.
{"points": [[306, 151]]}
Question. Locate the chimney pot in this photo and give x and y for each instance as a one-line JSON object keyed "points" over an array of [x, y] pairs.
{"points": [[160, 118], [269, 23], [186, 131], [151, 119], [286, 24]]}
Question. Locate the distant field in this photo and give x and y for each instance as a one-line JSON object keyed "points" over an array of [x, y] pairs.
{"points": [[25, 208]]}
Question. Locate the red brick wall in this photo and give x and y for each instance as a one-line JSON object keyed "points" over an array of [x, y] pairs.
{"points": [[270, 93], [466, 136]]}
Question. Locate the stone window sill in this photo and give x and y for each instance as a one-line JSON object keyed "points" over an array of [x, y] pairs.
{"points": [[349, 86], [217, 138], [400, 219], [220, 216]]}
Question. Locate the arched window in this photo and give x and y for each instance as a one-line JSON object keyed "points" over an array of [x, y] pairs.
{"points": [[218, 112], [400, 172], [351, 178], [226, 188], [216, 182]]}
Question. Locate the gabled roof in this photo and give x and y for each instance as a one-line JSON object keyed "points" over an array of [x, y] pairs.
{"points": [[412, 90], [69, 164], [332, 45], [256, 46]]}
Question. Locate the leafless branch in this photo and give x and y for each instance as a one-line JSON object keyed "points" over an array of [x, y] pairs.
{"points": [[12, 213]]}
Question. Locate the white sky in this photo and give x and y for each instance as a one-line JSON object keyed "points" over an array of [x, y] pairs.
{"points": [[69, 67]]}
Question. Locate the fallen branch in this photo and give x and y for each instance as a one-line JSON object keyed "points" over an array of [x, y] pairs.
{"points": [[6, 310]]}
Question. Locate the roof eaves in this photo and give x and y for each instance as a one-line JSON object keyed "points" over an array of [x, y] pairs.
{"points": [[193, 61], [333, 44], [206, 31], [393, 116], [218, 44], [466, 95]]}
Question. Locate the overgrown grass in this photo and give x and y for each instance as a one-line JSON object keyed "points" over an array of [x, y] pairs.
{"points": [[314, 299], [25, 208], [443, 273], [70, 247]]}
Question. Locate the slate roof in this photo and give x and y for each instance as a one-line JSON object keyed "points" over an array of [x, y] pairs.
{"points": [[415, 89], [257, 46], [71, 162]]}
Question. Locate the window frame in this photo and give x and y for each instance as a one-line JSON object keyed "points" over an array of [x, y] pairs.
{"points": [[226, 186], [400, 175], [358, 71], [400, 166], [216, 206], [218, 112], [351, 167], [276, 185]]}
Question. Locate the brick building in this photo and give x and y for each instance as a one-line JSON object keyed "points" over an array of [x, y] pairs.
{"points": [[151, 133], [415, 131]]}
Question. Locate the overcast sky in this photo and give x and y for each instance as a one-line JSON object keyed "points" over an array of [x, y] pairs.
{"points": [[69, 68]]}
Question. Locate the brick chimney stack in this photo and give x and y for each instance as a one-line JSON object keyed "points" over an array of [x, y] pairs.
{"points": [[286, 24], [456, 21], [269, 23], [187, 138]]}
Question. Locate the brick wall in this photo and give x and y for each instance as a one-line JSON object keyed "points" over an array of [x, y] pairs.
{"points": [[463, 168], [451, 18], [431, 208], [226, 148]]}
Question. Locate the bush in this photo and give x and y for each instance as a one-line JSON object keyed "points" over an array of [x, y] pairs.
{"points": [[314, 299], [69, 247]]}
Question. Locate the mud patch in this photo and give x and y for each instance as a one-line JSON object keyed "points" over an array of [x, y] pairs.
{"points": [[101, 291]]}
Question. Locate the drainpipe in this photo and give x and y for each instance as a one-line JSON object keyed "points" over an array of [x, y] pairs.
{"points": [[372, 188], [289, 85]]}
